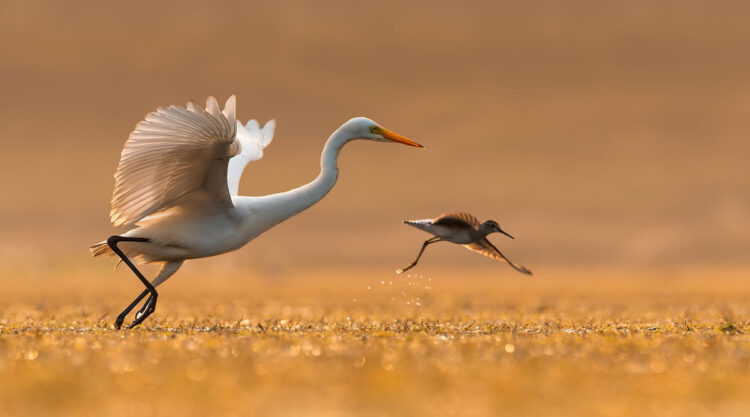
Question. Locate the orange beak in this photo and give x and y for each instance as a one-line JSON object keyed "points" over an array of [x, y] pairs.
{"points": [[397, 138]]}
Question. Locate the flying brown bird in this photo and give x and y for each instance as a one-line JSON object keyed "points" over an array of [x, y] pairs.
{"points": [[463, 229]]}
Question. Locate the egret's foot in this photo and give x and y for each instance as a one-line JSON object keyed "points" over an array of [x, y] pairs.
{"points": [[119, 320], [146, 305], [399, 271], [148, 308], [139, 318], [124, 313]]}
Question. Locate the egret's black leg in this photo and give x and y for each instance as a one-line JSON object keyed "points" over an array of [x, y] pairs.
{"points": [[424, 245], [112, 242], [121, 317]]}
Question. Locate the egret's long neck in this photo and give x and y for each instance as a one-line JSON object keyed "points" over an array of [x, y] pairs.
{"points": [[289, 203], [315, 190]]}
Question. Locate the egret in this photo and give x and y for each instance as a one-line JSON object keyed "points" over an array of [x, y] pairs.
{"points": [[463, 229], [177, 182]]}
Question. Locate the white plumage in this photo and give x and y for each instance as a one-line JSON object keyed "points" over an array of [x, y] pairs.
{"points": [[177, 187], [253, 140]]}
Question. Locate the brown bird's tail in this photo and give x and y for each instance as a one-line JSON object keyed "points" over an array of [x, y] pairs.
{"points": [[420, 224]]}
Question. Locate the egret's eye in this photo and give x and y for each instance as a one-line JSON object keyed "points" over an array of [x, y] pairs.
{"points": [[373, 129]]}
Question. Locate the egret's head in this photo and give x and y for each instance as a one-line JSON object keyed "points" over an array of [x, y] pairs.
{"points": [[491, 226], [364, 128]]}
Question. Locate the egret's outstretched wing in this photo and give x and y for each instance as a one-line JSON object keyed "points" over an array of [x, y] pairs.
{"points": [[253, 140], [488, 249], [457, 218], [173, 153]]}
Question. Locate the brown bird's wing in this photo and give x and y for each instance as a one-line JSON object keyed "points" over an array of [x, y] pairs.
{"points": [[457, 218], [488, 249]]}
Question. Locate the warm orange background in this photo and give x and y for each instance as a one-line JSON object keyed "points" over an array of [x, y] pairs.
{"points": [[609, 133]]}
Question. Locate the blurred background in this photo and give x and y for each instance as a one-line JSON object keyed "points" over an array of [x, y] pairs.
{"points": [[598, 133]]}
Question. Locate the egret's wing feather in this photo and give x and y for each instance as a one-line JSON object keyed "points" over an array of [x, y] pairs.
{"points": [[488, 249], [173, 153], [457, 218], [266, 134], [253, 140]]}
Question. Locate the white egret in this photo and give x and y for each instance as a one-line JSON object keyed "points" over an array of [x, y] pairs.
{"points": [[176, 186], [463, 229]]}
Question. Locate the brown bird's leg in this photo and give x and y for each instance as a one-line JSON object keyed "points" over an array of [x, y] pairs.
{"points": [[424, 245], [151, 302]]}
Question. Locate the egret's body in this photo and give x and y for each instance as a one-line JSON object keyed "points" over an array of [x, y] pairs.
{"points": [[463, 229], [177, 184]]}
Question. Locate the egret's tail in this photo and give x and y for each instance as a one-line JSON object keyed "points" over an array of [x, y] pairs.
{"points": [[101, 248]]}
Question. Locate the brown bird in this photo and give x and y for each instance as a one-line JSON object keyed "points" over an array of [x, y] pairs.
{"points": [[463, 229]]}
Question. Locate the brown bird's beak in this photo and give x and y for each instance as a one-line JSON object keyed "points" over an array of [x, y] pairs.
{"points": [[505, 233], [395, 137]]}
